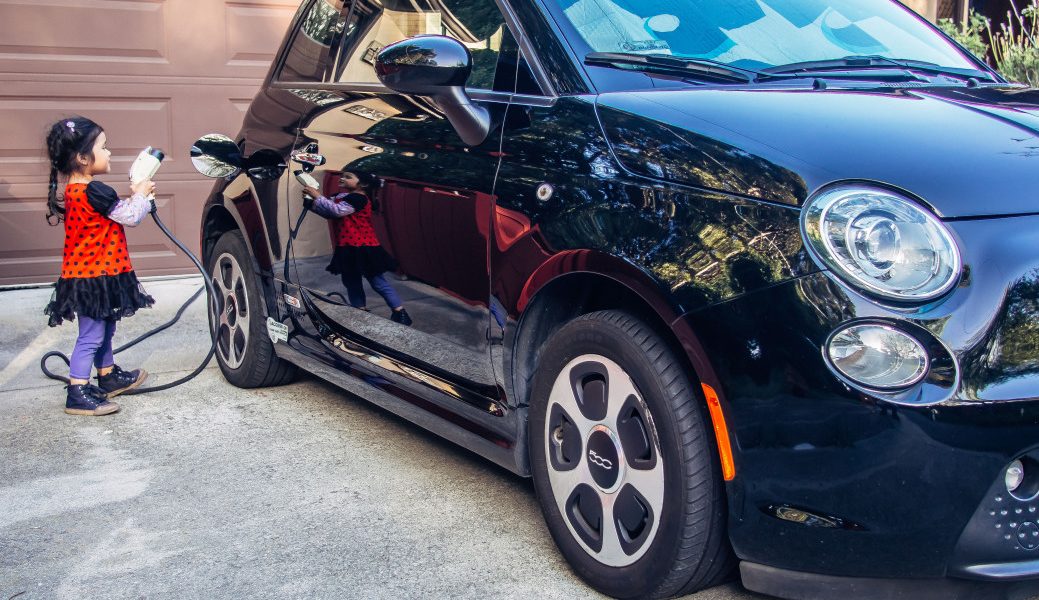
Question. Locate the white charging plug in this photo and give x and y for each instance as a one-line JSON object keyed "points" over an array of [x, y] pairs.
{"points": [[146, 164]]}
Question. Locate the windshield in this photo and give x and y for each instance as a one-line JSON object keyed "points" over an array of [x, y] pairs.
{"points": [[759, 34]]}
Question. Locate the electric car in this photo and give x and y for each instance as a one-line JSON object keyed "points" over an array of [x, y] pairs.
{"points": [[744, 286]]}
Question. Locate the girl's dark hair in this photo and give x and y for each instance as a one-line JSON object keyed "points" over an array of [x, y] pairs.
{"points": [[368, 183], [67, 139]]}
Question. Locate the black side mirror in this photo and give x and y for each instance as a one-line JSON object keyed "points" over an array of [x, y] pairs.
{"points": [[216, 155], [436, 66]]}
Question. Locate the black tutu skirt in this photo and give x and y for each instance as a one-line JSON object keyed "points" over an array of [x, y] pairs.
{"points": [[108, 297], [367, 261]]}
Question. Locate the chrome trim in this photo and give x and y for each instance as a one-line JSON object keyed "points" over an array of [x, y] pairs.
{"points": [[1014, 571], [523, 41]]}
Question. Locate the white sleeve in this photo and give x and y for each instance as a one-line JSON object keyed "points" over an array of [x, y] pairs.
{"points": [[131, 211]]}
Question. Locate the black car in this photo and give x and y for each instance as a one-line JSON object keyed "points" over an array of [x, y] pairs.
{"points": [[752, 282]]}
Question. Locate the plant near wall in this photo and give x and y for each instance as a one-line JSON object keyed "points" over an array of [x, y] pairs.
{"points": [[1015, 48], [970, 34]]}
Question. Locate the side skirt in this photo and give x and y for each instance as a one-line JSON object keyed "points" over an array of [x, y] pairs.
{"points": [[418, 410]]}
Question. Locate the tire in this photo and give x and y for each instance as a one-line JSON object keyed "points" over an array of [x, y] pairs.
{"points": [[244, 349], [616, 429]]}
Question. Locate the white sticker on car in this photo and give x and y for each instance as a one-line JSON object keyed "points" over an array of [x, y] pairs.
{"points": [[277, 331]]}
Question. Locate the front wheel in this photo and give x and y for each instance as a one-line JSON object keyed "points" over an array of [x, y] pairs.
{"points": [[623, 461], [243, 349]]}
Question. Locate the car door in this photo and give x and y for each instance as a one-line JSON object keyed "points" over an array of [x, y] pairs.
{"points": [[429, 199]]}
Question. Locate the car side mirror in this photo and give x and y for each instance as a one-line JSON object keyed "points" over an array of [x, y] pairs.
{"points": [[436, 66], [216, 155]]}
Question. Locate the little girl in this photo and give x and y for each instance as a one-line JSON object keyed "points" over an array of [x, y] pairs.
{"points": [[97, 281], [358, 252]]}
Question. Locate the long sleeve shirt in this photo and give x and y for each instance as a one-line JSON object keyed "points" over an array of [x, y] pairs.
{"points": [[127, 211], [340, 205]]}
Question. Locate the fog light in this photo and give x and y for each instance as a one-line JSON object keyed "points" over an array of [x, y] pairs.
{"points": [[878, 356], [1022, 478], [1014, 476]]}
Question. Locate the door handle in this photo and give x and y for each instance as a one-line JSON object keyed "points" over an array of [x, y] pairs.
{"points": [[308, 157]]}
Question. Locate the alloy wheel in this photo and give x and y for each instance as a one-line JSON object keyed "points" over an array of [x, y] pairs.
{"points": [[603, 460], [231, 310]]}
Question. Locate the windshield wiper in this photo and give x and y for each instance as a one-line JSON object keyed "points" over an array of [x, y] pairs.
{"points": [[700, 68], [850, 64]]}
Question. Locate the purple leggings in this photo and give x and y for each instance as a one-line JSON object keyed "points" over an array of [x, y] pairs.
{"points": [[93, 347]]}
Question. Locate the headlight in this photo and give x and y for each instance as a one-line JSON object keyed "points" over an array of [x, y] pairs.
{"points": [[878, 356], [882, 242]]}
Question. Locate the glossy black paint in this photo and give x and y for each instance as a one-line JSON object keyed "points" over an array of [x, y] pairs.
{"points": [[682, 204], [783, 142], [424, 65]]}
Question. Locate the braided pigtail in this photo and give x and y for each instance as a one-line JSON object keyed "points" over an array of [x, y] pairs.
{"points": [[55, 205], [67, 140]]}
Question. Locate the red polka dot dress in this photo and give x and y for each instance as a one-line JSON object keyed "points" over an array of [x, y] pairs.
{"points": [[357, 248], [97, 279]]}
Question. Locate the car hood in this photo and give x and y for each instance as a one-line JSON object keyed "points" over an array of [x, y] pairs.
{"points": [[964, 151]]}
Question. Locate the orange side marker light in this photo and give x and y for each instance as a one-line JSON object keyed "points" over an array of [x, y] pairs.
{"points": [[721, 432]]}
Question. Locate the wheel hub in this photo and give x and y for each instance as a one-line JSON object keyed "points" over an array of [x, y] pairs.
{"points": [[605, 458], [232, 310]]}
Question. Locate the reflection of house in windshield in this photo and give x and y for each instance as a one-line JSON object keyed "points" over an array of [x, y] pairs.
{"points": [[322, 24], [610, 28], [310, 54]]}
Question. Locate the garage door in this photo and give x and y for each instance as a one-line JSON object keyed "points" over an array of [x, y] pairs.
{"points": [[151, 72]]}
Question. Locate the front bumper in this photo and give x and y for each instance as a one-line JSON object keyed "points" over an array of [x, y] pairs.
{"points": [[811, 586], [839, 482]]}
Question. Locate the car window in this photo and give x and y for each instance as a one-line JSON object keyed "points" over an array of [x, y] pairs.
{"points": [[760, 33], [371, 25], [312, 52], [513, 73]]}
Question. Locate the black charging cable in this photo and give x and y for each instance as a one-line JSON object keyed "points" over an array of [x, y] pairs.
{"points": [[180, 312]]}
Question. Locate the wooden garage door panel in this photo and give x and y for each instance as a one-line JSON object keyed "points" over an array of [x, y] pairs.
{"points": [[28, 244], [250, 28], [182, 38], [122, 31], [132, 124]]}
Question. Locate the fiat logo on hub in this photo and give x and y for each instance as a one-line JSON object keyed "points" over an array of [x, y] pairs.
{"points": [[594, 458]]}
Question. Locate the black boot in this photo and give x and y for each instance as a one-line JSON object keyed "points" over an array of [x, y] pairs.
{"points": [[85, 399], [119, 381], [401, 316]]}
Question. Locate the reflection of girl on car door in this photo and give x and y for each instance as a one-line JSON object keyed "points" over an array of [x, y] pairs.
{"points": [[357, 249]]}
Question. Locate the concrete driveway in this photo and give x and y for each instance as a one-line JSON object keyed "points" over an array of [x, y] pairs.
{"points": [[210, 491]]}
